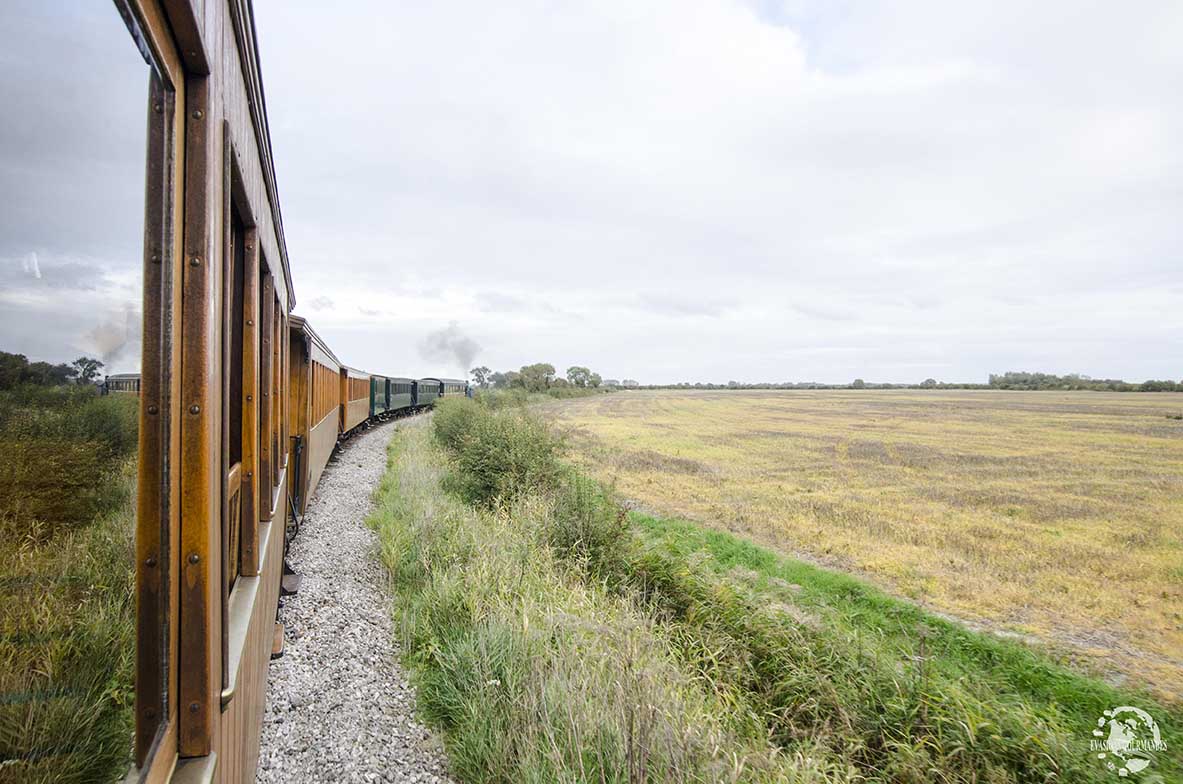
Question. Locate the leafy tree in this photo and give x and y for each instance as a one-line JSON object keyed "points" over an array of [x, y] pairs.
{"points": [[482, 376], [12, 369], [86, 370], [512, 378], [928, 383], [537, 377], [560, 383], [859, 384], [47, 375], [578, 376], [595, 380]]}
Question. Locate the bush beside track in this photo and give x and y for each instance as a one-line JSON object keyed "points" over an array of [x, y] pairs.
{"points": [[557, 638], [67, 634]]}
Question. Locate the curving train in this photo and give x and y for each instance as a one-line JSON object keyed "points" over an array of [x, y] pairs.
{"points": [[241, 402], [329, 401]]}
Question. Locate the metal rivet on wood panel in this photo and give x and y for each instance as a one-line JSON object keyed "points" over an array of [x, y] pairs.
{"points": [[158, 107], [195, 261], [194, 558], [249, 398], [194, 707], [197, 115], [155, 258], [153, 409], [150, 561], [250, 323]]}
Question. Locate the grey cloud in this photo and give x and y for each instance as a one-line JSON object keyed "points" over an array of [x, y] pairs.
{"points": [[321, 303]]}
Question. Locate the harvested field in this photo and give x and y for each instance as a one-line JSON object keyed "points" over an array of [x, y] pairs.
{"points": [[1056, 516]]}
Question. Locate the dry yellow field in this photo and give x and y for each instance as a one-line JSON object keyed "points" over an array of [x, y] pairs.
{"points": [[1051, 515]]}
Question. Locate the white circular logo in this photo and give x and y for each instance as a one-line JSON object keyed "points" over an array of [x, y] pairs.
{"points": [[1125, 739]]}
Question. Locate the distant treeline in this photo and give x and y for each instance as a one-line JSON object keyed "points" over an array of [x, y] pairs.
{"points": [[1020, 380], [539, 377], [17, 370]]}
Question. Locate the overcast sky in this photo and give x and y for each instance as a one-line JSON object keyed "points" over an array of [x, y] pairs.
{"points": [[695, 190]]}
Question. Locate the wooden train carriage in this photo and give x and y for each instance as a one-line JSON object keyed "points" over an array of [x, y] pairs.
{"points": [[427, 391], [314, 406], [213, 454], [452, 387], [402, 396], [122, 382], [355, 398], [379, 395]]}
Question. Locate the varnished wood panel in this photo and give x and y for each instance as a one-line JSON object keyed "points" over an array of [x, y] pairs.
{"points": [[221, 119], [200, 655], [321, 442], [250, 404]]}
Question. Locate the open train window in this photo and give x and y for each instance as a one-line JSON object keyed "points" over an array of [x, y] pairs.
{"points": [[238, 377], [93, 119]]}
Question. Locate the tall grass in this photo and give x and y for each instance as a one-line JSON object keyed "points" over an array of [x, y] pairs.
{"points": [[536, 674], [802, 672], [67, 517]]}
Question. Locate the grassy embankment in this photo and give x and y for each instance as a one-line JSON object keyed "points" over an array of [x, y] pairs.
{"points": [[67, 633], [554, 638], [1051, 515]]}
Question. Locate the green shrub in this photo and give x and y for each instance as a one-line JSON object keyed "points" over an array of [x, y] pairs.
{"points": [[585, 524], [452, 419], [503, 398], [63, 446], [498, 455]]}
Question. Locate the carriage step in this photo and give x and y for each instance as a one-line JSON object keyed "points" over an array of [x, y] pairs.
{"points": [[289, 584], [277, 641]]}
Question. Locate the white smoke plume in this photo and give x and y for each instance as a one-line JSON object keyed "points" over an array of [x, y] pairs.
{"points": [[450, 345], [117, 338]]}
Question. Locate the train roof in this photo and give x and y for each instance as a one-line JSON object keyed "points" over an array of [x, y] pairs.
{"points": [[301, 323], [123, 375], [454, 380], [358, 371], [428, 378]]}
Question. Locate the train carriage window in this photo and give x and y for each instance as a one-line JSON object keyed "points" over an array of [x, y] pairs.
{"points": [[88, 246]]}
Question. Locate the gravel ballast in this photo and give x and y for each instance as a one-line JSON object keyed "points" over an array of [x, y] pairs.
{"points": [[339, 707]]}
